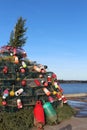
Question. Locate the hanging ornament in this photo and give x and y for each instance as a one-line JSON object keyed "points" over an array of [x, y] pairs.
{"points": [[46, 91], [44, 83], [50, 99], [5, 94], [36, 68], [40, 76], [57, 86], [22, 70], [4, 103], [12, 93], [16, 60], [59, 96], [23, 82], [54, 76], [37, 82], [49, 80], [54, 92], [18, 79], [14, 51], [42, 70], [24, 54], [19, 103], [24, 64], [5, 70], [19, 91], [64, 99]]}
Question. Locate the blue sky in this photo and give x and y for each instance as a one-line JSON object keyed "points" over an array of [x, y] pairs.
{"points": [[57, 33]]}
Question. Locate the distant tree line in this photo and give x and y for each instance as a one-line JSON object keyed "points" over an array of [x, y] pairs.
{"points": [[72, 81]]}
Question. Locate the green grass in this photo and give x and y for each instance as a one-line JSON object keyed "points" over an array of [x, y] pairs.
{"points": [[23, 119], [64, 112]]}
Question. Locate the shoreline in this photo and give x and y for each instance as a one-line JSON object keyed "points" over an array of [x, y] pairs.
{"points": [[73, 123], [76, 95]]}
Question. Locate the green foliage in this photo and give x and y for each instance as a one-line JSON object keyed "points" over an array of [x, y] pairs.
{"points": [[24, 119], [17, 38], [64, 112], [21, 120], [11, 42]]}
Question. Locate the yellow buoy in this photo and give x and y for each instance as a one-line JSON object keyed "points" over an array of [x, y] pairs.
{"points": [[12, 93], [54, 92], [18, 79]]}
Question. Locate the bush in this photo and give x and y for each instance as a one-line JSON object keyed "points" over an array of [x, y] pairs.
{"points": [[24, 119], [64, 112], [21, 120]]}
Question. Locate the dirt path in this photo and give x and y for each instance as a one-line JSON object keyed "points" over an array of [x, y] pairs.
{"points": [[73, 123]]}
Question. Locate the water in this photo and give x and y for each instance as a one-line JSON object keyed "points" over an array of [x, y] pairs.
{"points": [[72, 88], [81, 106]]}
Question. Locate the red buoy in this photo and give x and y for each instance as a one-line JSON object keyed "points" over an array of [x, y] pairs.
{"points": [[44, 83], [4, 103], [37, 82], [54, 76], [23, 82], [22, 70], [5, 70], [39, 113]]}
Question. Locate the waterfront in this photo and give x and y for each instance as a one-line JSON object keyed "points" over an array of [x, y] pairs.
{"points": [[79, 121], [79, 103]]}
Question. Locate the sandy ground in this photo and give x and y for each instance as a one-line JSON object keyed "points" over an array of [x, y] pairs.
{"points": [[73, 123]]}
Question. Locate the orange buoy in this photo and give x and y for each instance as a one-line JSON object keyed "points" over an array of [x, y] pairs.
{"points": [[36, 68], [46, 91], [16, 60]]}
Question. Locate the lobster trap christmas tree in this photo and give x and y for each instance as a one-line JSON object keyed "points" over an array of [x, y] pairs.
{"points": [[23, 82]]}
